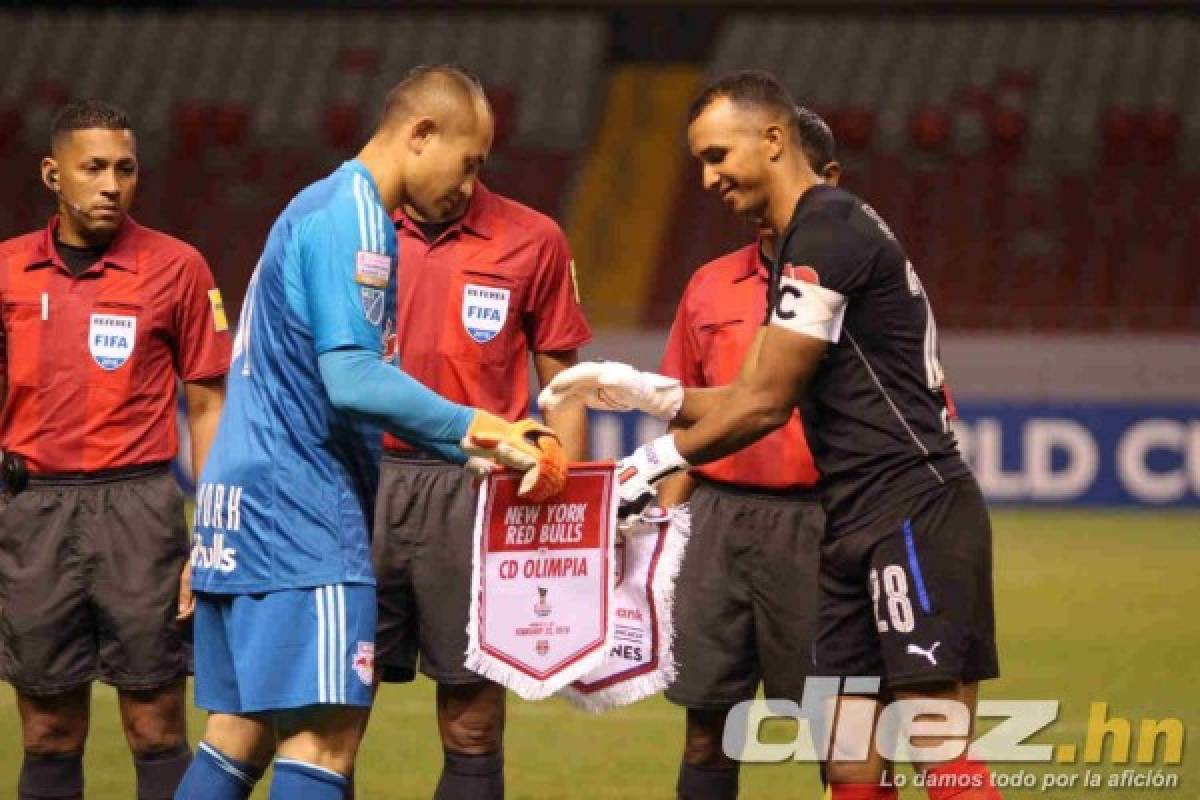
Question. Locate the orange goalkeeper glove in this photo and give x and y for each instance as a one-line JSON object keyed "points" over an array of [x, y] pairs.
{"points": [[527, 446]]}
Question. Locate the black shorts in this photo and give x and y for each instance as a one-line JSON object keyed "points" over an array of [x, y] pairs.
{"points": [[908, 598], [745, 599], [89, 583], [424, 535]]}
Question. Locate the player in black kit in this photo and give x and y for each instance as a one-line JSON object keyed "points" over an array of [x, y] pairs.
{"points": [[906, 565]]}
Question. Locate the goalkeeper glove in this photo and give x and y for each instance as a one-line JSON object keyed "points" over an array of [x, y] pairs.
{"points": [[527, 446], [613, 386]]}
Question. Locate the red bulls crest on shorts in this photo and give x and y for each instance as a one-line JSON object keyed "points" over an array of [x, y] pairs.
{"points": [[364, 662]]}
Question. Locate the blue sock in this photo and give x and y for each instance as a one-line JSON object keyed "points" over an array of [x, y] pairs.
{"points": [[296, 780], [213, 775]]}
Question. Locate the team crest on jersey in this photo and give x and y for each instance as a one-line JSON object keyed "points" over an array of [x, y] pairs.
{"points": [[372, 300], [484, 310], [111, 338], [363, 662], [803, 273]]}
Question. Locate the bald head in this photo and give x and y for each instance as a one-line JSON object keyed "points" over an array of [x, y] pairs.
{"points": [[449, 96], [433, 138]]}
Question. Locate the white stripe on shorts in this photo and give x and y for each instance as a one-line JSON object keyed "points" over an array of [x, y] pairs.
{"points": [[341, 653], [321, 684]]}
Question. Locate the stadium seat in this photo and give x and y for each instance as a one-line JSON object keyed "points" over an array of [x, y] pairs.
{"points": [[930, 129], [343, 126]]}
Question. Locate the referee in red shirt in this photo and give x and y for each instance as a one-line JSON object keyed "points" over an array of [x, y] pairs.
{"points": [[747, 588], [100, 317], [484, 282]]}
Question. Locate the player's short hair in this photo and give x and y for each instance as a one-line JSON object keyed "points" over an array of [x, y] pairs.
{"points": [[749, 88], [87, 114], [816, 138], [758, 89], [449, 80]]}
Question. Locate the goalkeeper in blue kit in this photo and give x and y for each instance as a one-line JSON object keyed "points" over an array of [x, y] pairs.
{"points": [[285, 596]]}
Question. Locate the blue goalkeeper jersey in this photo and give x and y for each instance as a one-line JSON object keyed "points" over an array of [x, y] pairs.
{"points": [[286, 496]]}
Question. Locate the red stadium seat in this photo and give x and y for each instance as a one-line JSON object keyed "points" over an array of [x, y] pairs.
{"points": [[189, 124], [343, 123], [853, 127], [231, 124], [49, 92], [504, 110], [1007, 127], [1162, 130], [11, 121], [359, 60], [929, 128], [1120, 128]]}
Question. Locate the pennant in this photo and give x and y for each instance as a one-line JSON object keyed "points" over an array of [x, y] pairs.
{"points": [[639, 660], [542, 581]]}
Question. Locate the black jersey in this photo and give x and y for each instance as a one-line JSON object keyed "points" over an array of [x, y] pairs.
{"points": [[875, 412]]}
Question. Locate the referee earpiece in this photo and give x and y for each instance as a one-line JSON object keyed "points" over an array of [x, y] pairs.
{"points": [[52, 180]]}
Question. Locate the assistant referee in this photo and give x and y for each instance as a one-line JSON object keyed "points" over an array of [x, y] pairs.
{"points": [[101, 316]]}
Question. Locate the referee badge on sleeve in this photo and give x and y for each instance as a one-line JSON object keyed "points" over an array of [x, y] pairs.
{"points": [[220, 321]]}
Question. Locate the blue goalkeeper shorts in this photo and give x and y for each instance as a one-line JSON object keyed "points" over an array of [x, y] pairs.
{"points": [[285, 649]]}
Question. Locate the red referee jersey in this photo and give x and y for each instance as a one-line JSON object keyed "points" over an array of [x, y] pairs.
{"points": [[472, 305], [722, 309], [90, 361]]}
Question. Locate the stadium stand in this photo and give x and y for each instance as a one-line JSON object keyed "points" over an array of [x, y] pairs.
{"points": [[238, 110], [1041, 170]]}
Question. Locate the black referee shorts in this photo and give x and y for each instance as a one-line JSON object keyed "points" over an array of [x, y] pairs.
{"points": [[89, 582], [422, 550], [745, 599], [908, 598]]}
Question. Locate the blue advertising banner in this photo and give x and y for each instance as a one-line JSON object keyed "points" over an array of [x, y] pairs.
{"points": [[1023, 453]]}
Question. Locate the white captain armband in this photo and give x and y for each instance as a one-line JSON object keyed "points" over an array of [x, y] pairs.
{"points": [[810, 309]]}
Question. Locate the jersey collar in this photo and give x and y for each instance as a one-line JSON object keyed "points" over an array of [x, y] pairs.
{"points": [[357, 167], [757, 263], [121, 252], [478, 221]]}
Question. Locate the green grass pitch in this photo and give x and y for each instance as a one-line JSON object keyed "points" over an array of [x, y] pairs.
{"points": [[1091, 607]]}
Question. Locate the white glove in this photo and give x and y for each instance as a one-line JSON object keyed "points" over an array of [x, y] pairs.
{"points": [[613, 386], [638, 472]]}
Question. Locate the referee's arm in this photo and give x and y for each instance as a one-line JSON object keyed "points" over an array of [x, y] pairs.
{"points": [[569, 421], [699, 402], [777, 369]]}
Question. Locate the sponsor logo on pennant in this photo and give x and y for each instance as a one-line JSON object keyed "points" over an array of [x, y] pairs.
{"points": [[111, 338], [484, 310], [372, 300], [542, 607], [364, 662], [372, 269]]}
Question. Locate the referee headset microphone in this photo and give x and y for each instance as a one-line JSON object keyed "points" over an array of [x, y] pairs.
{"points": [[53, 185]]}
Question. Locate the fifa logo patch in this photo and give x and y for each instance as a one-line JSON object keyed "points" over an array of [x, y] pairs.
{"points": [[363, 662], [484, 311], [111, 338]]}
